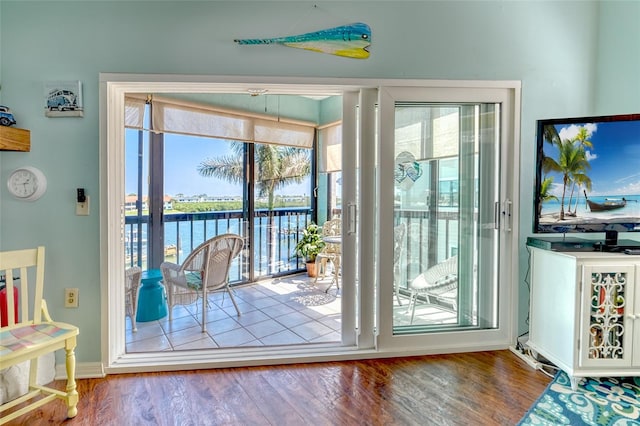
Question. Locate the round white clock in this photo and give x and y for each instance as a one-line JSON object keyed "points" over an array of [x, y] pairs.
{"points": [[27, 183]]}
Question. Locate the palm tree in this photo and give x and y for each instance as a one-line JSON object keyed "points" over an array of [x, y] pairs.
{"points": [[572, 161], [545, 193], [580, 179], [276, 167]]}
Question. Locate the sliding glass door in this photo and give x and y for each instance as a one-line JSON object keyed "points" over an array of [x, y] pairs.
{"points": [[441, 191], [423, 184]]}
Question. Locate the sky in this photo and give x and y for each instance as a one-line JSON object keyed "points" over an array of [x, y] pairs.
{"points": [[614, 158], [183, 154]]}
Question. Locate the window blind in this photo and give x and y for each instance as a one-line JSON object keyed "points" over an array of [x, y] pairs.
{"points": [[190, 118]]}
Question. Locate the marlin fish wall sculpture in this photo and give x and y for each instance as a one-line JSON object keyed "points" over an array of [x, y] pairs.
{"points": [[351, 41]]}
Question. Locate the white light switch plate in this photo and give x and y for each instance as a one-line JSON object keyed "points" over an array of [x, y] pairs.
{"points": [[82, 209]]}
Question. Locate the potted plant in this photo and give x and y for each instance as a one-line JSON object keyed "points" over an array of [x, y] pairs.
{"points": [[309, 246]]}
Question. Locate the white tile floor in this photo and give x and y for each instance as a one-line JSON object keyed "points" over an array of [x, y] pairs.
{"points": [[281, 311]]}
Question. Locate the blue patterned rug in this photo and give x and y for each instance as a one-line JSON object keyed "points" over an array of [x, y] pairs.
{"points": [[597, 401]]}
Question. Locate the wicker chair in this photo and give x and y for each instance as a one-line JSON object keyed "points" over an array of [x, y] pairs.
{"points": [[440, 282], [133, 277], [399, 232], [204, 271], [330, 252]]}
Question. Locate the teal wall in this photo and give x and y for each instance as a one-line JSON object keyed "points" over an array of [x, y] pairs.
{"points": [[618, 58], [561, 51]]}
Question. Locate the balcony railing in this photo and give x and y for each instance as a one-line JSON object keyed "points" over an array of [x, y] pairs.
{"points": [[185, 231]]}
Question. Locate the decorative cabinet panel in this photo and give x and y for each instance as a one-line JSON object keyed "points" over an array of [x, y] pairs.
{"points": [[607, 316], [585, 312]]}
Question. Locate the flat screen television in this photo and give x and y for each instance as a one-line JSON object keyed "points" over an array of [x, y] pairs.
{"points": [[588, 177]]}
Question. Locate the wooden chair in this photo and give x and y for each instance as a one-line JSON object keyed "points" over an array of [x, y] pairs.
{"points": [[204, 271], [33, 335]]}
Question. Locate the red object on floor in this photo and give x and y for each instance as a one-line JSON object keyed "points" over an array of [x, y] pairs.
{"points": [[4, 317]]}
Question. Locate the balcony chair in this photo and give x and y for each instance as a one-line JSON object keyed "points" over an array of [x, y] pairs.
{"points": [[204, 271], [330, 252], [439, 281], [133, 277], [28, 332], [399, 232]]}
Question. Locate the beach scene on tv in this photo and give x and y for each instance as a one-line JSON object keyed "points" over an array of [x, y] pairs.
{"points": [[588, 177]]}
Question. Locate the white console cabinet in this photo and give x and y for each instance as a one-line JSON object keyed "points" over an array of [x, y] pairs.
{"points": [[585, 312]]}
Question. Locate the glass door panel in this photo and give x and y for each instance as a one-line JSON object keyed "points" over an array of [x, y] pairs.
{"points": [[203, 196], [440, 189], [282, 206], [437, 182]]}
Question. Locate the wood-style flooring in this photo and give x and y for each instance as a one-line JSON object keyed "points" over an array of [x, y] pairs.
{"points": [[484, 388]]}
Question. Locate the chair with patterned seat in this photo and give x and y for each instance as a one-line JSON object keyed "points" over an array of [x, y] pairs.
{"points": [[30, 332]]}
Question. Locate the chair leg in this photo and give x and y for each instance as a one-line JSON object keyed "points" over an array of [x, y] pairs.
{"points": [[134, 304], [321, 268], [131, 312], [169, 292], [233, 300], [70, 362], [398, 297], [335, 260], [412, 304], [205, 301]]}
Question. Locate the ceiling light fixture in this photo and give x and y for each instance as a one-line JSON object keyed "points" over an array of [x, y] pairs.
{"points": [[257, 92]]}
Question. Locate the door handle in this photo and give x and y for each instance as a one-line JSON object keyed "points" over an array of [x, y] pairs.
{"points": [[352, 211]]}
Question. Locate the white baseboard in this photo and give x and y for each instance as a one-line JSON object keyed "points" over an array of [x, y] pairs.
{"points": [[84, 370]]}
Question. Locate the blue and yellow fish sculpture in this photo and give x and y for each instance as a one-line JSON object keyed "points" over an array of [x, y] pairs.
{"points": [[351, 41]]}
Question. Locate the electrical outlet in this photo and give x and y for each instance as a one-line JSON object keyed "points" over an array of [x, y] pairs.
{"points": [[70, 297]]}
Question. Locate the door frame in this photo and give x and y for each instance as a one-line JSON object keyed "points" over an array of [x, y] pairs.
{"points": [[112, 87], [506, 331]]}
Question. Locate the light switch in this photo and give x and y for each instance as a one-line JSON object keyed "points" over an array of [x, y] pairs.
{"points": [[82, 209]]}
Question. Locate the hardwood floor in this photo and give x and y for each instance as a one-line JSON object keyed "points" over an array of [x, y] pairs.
{"points": [[484, 388]]}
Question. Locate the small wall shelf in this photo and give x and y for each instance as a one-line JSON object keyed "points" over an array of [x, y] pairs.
{"points": [[14, 139]]}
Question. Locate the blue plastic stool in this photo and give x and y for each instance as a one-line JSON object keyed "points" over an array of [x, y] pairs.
{"points": [[152, 304]]}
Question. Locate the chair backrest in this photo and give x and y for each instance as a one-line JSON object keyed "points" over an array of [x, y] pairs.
{"points": [[19, 266], [444, 269], [332, 228], [133, 277], [213, 259], [399, 232]]}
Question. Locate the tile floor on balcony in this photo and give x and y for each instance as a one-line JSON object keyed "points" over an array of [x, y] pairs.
{"points": [[280, 311]]}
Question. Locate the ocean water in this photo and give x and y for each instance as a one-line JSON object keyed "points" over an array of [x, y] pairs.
{"points": [[632, 209], [186, 236]]}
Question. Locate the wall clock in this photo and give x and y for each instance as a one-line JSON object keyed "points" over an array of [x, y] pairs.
{"points": [[27, 183]]}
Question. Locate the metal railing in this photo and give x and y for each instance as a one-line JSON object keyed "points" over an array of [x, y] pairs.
{"points": [[185, 231]]}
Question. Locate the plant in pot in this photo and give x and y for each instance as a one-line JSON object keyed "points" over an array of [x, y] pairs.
{"points": [[309, 246]]}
